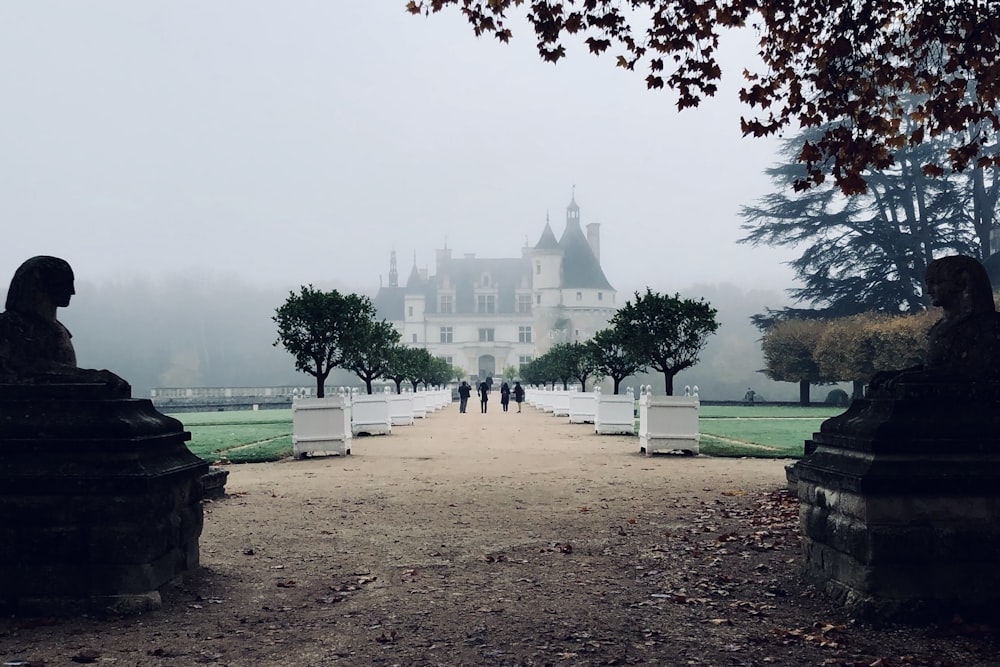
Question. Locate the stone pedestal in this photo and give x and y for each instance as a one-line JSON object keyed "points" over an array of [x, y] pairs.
{"points": [[100, 501], [900, 503]]}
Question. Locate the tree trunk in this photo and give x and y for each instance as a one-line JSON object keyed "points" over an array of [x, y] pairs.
{"points": [[368, 386], [668, 383], [617, 382], [857, 389], [399, 386], [804, 393]]}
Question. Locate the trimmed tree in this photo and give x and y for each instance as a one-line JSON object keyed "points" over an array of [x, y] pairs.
{"points": [[584, 365], [315, 326], [614, 357], [789, 349], [665, 332], [402, 360], [369, 352], [562, 361]]}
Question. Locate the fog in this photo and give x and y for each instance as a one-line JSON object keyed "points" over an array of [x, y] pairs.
{"points": [[194, 161], [216, 330], [300, 142]]}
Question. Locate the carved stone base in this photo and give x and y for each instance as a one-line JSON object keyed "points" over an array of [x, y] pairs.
{"points": [[900, 504], [100, 502]]}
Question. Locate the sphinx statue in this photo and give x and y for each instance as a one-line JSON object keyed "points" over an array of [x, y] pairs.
{"points": [[900, 495], [35, 347], [964, 345], [85, 466]]}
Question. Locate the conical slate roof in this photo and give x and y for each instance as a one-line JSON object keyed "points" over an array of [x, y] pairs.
{"points": [[548, 240], [415, 282], [581, 268]]}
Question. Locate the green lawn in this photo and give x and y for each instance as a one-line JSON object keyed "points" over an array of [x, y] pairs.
{"points": [[239, 436], [759, 431]]}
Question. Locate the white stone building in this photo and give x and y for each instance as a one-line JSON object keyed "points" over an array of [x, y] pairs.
{"points": [[485, 315]]}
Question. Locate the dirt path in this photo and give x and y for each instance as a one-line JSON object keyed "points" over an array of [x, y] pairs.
{"points": [[497, 539]]}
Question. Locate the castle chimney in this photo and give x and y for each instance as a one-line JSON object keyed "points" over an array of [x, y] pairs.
{"points": [[594, 239]]}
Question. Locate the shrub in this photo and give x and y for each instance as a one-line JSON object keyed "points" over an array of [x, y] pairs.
{"points": [[838, 397]]}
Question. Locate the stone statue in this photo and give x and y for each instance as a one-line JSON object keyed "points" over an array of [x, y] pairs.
{"points": [[35, 347], [964, 345], [899, 496]]}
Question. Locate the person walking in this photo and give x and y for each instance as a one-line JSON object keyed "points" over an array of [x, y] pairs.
{"points": [[484, 395], [464, 391], [505, 395], [518, 395]]}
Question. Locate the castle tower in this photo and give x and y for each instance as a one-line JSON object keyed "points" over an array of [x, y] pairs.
{"points": [[393, 273]]}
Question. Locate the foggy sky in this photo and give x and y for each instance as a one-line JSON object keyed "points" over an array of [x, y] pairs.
{"points": [[300, 142]]}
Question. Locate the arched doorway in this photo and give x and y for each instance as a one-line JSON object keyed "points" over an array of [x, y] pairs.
{"points": [[487, 366]]}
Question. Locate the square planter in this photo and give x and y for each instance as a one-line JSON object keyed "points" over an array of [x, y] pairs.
{"points": [[321, 426], [668, 424]]}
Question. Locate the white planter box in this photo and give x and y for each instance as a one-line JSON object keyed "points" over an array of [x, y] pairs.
{"points": [[615, 414], [419, 409], [546, 400], [582, 407], [400, 409], [321, 426], [370, 414], [560, 403], [668, 424]]}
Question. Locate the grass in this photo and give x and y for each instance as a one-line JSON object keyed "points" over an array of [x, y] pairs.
{"points": [[758, 431], [239, 437]]}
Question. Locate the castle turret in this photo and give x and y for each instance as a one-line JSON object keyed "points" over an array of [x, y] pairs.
{"points": [[546, 261]]}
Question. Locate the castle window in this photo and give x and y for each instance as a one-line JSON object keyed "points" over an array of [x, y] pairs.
{"points": [[486, 335], [524, 303], [414, 338], [409, 311], [524, 359], [579, 296], [446, 335], [487, 303], [486, 280], [447, 303], [600, 296], [538, 299], [538, 268], [524, 334]]}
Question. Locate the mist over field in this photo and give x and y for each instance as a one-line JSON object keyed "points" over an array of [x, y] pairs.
{"points": [[215, 330]]}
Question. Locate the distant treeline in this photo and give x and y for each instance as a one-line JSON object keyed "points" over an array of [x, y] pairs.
{"points": [[210, 330]]}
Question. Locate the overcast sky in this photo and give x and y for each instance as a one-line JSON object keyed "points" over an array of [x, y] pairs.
{"points": [[302, 141]]}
